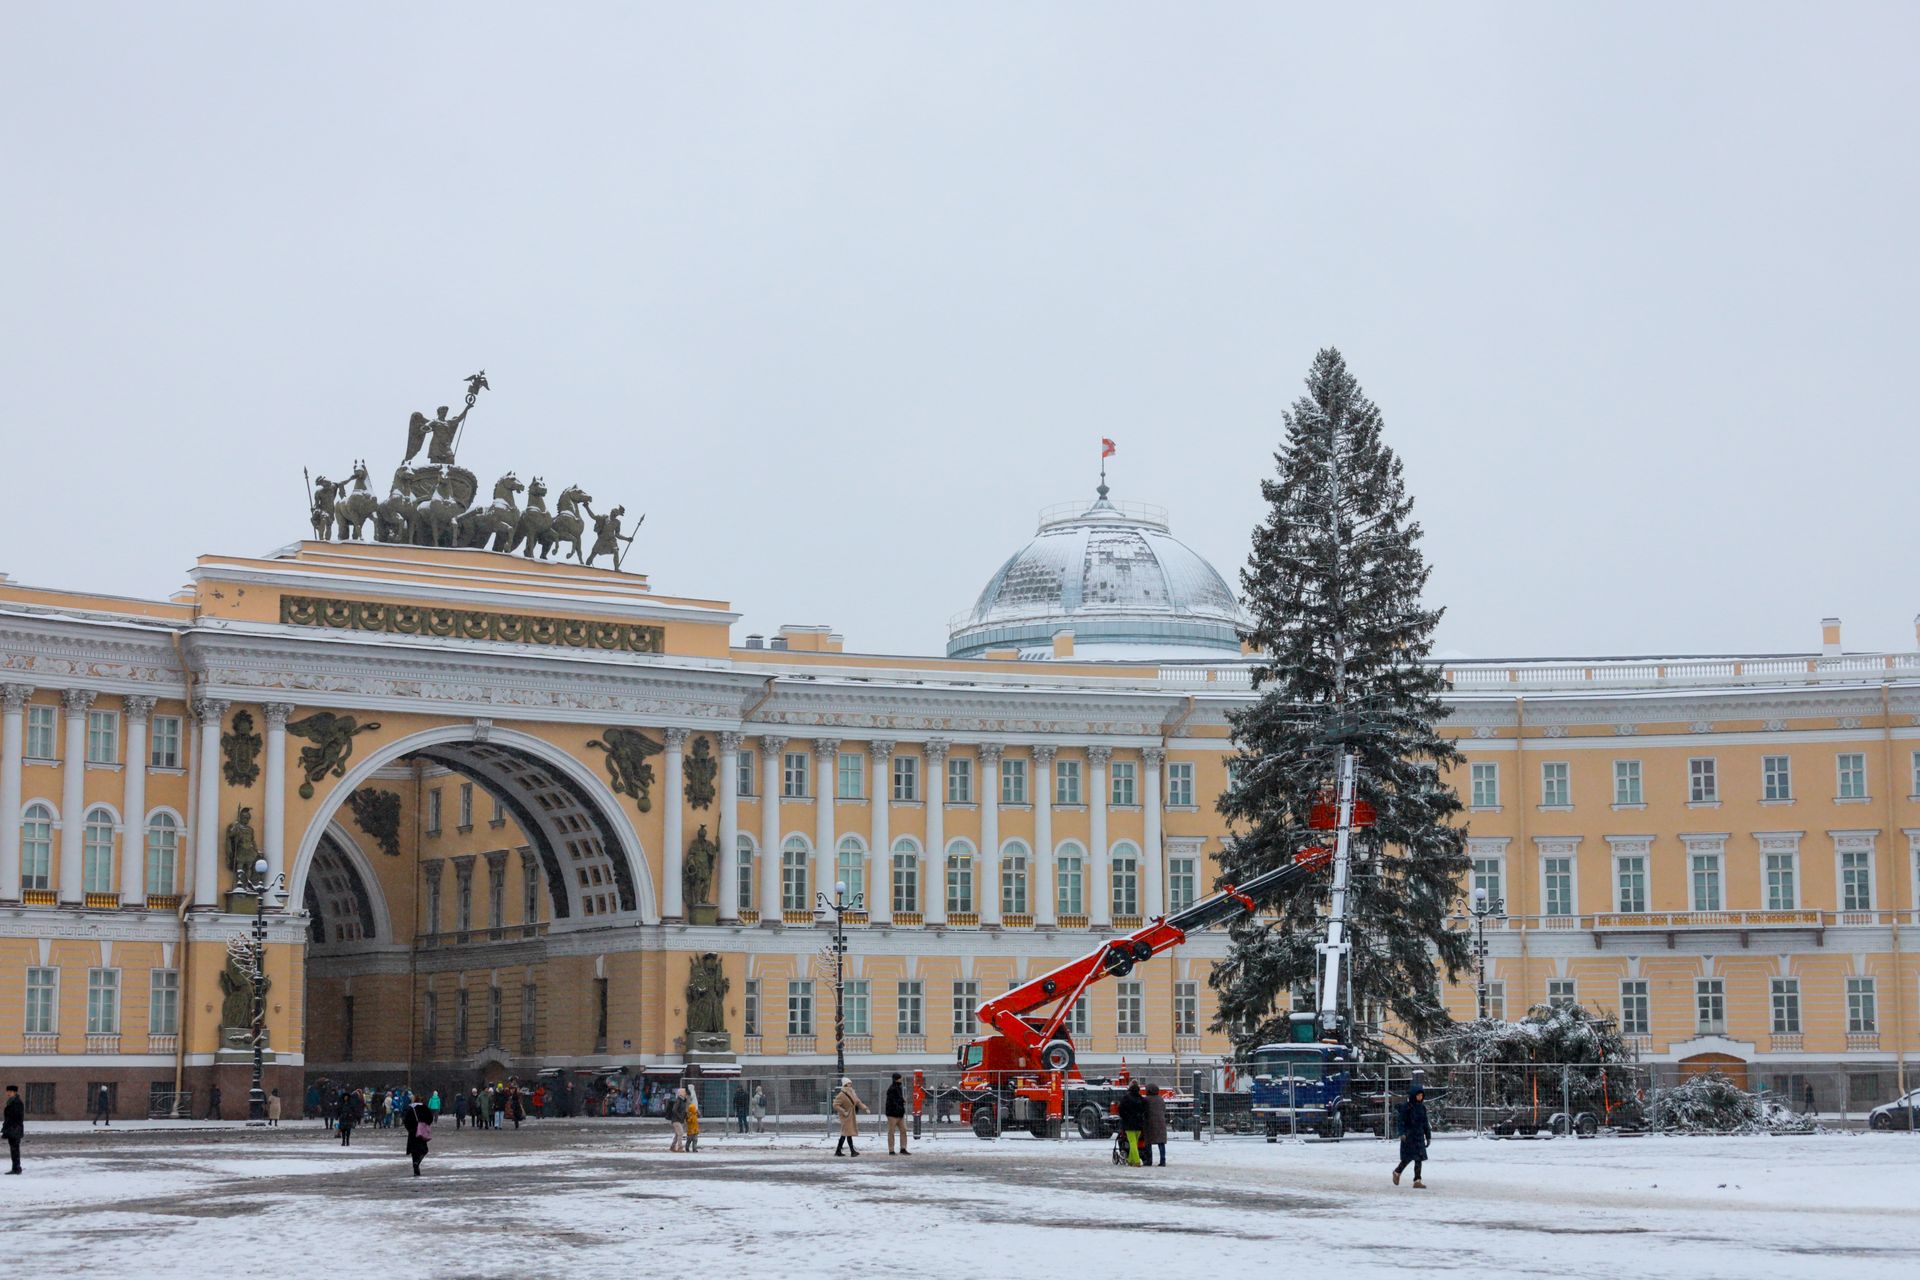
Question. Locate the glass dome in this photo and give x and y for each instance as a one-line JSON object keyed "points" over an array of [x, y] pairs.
{"points": [[1113, 575]]}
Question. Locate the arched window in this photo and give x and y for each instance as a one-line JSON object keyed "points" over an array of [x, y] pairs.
{"points": [[163, 854], [959, 876], [36, 847], [1070, 863], [744, 851], [1126, 880], [850, 868], [794, 855], [96, 852], [906, 875], [1013, 878]]}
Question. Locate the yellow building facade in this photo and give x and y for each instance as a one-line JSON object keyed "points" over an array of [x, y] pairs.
{"points": [[508, 807]]}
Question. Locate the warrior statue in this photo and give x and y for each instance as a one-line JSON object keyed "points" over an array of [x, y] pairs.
{"points": [[606, 536], [707, 987], [698, 874], [236, 997], [242, 850], [443, 429]]}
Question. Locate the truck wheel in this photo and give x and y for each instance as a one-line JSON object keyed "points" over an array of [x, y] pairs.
{"points": [[1047, 1128], [1335, 1127], [1087, 1121], [1057, 1056], [983, 1121]]}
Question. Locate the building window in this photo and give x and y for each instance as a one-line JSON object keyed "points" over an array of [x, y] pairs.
{"points": [[743, 773], [793, 775], [1710, 1000], [103, 737], [1186, 1008], [1782, 889], [906, 778], [494, 1029], [1786, 1006], [1630, 878], [1776, 778], [1556, 787], [1635, 1019], [909, 1019], [1070, 889], [1913, 783], [462, 1008], [1852, 769], [966, 1002], [1557, 873], [103, 1002], [163, 854], [163, 742], [463, 892], [1560, 993], [850, 868], [1079, 1022], [1126, 880], [41, 1001], [906, 875], [851, 777], [529, 1016], [36, 847], [602, 990], [1180, 785], [42, 724], [496, 812], [1013, 878], [1183, 883], [959, 876], [1856, 880], [433, 811], [530, 889], [433, 897], [959, 780], [1862, 1016], [1703, 780], [1626, 782], [466, 806], [96, 858], [750, 1007], [854, 1005], [1123, 792], [1130, 1013], [799, 1008], [1488, 880], [793, 874], [1013, 782], [1486, 784], [1706, 881], [1066, 781], [743, 853], [1497, 1001], [163, 1002]]}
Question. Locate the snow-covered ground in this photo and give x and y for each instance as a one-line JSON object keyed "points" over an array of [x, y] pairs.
{"points": [[603, 1198]]}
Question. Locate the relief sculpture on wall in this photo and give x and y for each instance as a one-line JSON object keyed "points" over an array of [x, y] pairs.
{"points": [[627, 769]]}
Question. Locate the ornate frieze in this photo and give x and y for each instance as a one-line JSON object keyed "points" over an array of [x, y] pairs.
{"points": [[469, 624]]}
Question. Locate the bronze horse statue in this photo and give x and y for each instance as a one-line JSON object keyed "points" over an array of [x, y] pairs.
{"points": [[534, 521], [393, 519], [568, 523], [352, 511], [434, 519], [495, 523]]}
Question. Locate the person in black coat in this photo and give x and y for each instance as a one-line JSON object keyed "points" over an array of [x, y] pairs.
{"points": [[349, 1115], [1133, 1120], [895, 1109], [13, 1124], [1415, 1132], [419, 1121]]}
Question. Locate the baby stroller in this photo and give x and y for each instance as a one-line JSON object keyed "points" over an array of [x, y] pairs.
{"points": [[1119, 1146]]}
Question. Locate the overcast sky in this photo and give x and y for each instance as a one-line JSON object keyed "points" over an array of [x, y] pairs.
{"points": [[839, 296]]}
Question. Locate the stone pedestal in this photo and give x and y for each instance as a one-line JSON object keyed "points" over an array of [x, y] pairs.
{"points": [[702, 913], [242, 903]]}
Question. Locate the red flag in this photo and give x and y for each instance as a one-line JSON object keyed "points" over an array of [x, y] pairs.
{"points": [[1106, 447]]}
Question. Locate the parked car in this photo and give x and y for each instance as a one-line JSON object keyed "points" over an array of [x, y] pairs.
{"points": [[1898, 1114]]}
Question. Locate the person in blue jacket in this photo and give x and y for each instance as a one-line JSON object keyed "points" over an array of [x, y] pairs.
{"points": [[1415, 1132]]}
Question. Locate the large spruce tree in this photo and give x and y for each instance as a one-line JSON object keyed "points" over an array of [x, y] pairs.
{"points": [[1333, 589]]}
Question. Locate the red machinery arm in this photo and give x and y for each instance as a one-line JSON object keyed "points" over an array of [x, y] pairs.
{"points": [[1009, 1014]]}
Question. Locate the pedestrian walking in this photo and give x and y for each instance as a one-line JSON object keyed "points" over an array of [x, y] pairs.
{"points": [[312, 1108], [740, 1105], [1415, 1133], [349, 1116], [677, 1117], [1133, 1120], [418, 1119], [895, 1108], [847, 1105], [1154, 1136], [459, 1110], [103, 1107], [759, 1108], [13, 1125], [693, 1121], [1809, 1107], [484, 1114], [273, 1110], [433, 1103], [213, 1103], [516, 1109]]}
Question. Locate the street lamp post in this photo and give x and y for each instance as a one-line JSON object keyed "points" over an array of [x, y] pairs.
{"points": [[1482, 909], [257, 1098], [840, 904]]}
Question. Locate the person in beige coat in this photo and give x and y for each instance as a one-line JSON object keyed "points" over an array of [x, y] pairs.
{"points": [[273, 1110], [847, 1106]]}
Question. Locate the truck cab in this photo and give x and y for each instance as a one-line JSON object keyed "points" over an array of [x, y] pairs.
{"points": [[1301, 1088]]}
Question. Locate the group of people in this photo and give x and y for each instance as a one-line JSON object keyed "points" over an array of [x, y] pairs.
{"points": [[847, 1107], [1143, 1122], [495, 1106]]}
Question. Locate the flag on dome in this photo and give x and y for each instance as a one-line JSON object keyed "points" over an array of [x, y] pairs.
{"points": [[1106, 447]]}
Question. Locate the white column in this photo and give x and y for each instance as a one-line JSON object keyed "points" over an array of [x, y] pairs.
{"points": [[770, 749], [13, 714], [1043, 875], [934, 881], [133, 804], [880, 881], [673, 861], [209, 712], [1100, 876], [275, 849], [990, 833], [73, 793], [729, 873], [826, 761], [1153, 863]]}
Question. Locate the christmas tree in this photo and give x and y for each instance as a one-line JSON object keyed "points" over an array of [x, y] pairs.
{"points": [[1333, 589]]}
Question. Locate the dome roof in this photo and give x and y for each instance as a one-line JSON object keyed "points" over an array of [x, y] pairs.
{"points": [[1116, 577]]}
